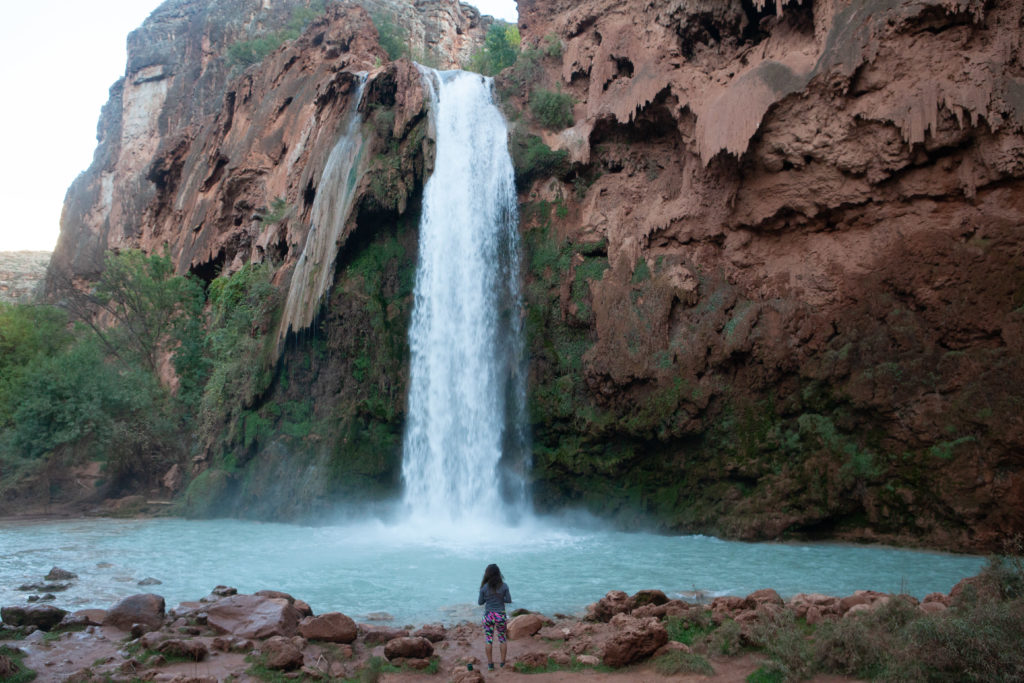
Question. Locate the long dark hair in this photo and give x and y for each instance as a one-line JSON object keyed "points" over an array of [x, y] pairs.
{"points": [[492, 577]]}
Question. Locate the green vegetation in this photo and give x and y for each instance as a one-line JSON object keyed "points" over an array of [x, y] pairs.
{"points": [[391, 36], [245, 53], [20, 673], [675, 663], [532, 159], [500, 49], [278, 211], [551, 109]]}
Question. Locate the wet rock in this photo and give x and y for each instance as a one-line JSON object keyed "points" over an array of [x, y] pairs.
{"points": [[146, 609], [408, 647], [44, 617], [253, 616], [58, 574], [281, 654], [524, 626], [150, 581], [634, 640], [224, 591], [333, 627], [44, 587]]}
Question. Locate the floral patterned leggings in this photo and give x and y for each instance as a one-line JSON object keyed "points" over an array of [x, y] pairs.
{"points": [[494, 621]]}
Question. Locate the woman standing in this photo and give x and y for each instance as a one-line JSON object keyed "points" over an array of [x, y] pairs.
{"points": [[493, 596]]}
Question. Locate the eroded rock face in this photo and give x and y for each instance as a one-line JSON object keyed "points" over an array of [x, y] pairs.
{"points": [[784, 296]]}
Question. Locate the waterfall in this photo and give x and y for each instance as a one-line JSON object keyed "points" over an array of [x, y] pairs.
{"points": [[314, 271], [465, 440]]}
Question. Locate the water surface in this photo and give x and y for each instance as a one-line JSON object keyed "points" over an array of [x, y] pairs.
{"points": [[418, 574]]}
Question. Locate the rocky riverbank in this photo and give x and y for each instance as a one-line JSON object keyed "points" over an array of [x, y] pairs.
{"points": [[645, 636]]}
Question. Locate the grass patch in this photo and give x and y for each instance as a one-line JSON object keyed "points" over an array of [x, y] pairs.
{"points": [[19, 673], [674, 663], [687, 630]]}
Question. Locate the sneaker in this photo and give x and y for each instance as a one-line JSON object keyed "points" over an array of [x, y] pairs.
{"points": [[490, 667], [502, 665]]}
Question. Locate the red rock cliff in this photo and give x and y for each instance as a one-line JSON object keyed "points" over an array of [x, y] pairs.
{"points": [[784, 255]]}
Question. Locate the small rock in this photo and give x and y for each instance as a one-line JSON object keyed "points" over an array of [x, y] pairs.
{"points": [[588, 660], [150, 581], [524, 626], [58, 574]]}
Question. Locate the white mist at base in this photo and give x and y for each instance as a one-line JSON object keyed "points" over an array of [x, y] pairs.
{"points": [[465, 424]]}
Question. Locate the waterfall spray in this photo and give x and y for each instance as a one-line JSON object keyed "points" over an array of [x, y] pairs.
{"points": [[466, 440]]}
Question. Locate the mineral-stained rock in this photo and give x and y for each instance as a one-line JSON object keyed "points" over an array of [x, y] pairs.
{"points": [[146, 609], [408, 647], [333, 627], [635, 639], [252, 616]]}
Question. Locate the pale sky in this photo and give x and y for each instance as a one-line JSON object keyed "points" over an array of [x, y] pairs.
{"points": [[58, 59]]}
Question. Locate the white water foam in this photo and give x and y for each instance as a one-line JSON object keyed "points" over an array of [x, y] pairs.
{"points": [[465, 442]]}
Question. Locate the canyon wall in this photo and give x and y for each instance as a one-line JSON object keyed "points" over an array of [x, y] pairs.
{"points": [[776, 284], [21, 275], [773, 251]]}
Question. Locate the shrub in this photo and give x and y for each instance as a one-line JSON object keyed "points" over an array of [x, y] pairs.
{"points": [[500, 49], [552, 109], [392, 37], [533, 159]]}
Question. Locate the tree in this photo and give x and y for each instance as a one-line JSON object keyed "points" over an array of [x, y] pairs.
{"points": [[148, 304]]}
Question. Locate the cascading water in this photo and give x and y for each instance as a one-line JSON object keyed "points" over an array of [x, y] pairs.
{"points": [[465, 439], [314, 271]]}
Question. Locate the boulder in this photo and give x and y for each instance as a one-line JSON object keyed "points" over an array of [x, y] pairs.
{"points": [[281, 654], [333, 627], [934, 607], [43, 617], [377, 635], [524, 626], [435, 633], [253, 616], [634, 640], [614, 602], [588, 660], [193, 650], [146, 609], [408, 647], [58, 574], [937, 597]]}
